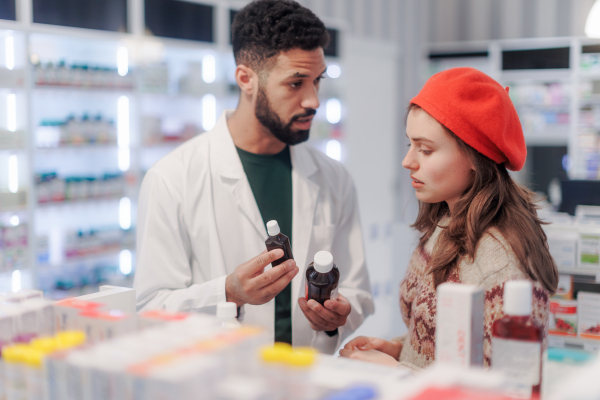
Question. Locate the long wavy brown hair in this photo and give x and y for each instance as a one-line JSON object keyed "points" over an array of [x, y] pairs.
{"points": [[493, 200]]}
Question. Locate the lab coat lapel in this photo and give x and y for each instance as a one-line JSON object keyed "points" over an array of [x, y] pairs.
{"points": [[226, 161], [305, 193]]}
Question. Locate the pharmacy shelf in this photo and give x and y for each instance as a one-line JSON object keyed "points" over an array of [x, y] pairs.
{"points": [[86, 202], [67, 148], [571, 78], [584, 275], [78, 91], [12, 210], [99, 49], [573, 342]]}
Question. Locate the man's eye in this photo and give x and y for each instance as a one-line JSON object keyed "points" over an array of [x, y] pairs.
{"points": [[296, 84]]}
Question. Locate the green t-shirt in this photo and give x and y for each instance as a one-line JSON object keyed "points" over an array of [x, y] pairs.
{"points": [[270, 178]]}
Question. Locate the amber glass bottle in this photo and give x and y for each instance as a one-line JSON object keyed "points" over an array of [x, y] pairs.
{"points": [[322, 278], [517, 340], [278, 240]]}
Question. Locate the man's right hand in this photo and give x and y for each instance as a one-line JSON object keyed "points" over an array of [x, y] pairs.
{"points": [[250, 284]]}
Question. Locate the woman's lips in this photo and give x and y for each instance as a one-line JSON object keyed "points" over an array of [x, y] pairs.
{"points": [[416, 183]]}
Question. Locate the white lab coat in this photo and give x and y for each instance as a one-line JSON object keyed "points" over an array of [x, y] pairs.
{"points": [[198, 220]]}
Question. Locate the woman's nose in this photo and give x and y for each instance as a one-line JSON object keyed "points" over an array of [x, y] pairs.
{"points": [[409, 162]]}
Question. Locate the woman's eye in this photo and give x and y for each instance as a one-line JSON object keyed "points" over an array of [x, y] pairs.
{"points": [[295, 84], [426, 152]]}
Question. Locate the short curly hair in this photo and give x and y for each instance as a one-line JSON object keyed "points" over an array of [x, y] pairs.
{"points": [[265, 28]]}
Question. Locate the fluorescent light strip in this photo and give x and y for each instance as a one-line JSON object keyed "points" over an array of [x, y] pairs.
{"points": [[11, 112], [9, 52], [16, 280], [209, 69], [122, 61], [124, 158], [592, 24], [13, 174], [334, 149], [123, 121], [125, 263], [333, 111], [125, 213], [209, 111], [334, 71]]}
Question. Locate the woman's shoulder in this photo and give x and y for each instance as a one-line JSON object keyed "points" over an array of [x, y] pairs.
{"points": [[494, 257]]}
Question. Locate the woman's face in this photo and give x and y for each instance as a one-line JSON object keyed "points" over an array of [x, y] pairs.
{"points": [[439, 169]]}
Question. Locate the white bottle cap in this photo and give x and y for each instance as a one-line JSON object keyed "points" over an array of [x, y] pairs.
{"points": [[273, 228], [323, 262], [517, 298], [226, 310]]}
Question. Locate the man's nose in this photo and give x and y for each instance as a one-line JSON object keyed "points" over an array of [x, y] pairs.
{"points": [[311, 99]]}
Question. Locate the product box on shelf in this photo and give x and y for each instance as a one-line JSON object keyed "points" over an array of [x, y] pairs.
{"points": [[459, 326], [104, 325], [67, 312], [588, 305], [588, 246], [563, 246], [563, 317], [564, 289]]}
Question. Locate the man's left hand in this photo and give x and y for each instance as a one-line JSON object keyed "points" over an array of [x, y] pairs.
{"points": [[327, 318]]}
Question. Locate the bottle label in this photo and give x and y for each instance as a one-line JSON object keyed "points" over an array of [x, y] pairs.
{"points": [[520, 360]]}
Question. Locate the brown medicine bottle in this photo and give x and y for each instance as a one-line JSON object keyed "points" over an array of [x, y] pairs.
{"points": [[322, 278], [278, 240], [517, 340]]}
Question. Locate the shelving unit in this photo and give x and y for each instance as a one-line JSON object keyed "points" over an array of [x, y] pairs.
{"points": [[549, 101], [151, 93]]}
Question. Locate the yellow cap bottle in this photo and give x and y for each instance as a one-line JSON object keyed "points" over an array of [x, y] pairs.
{"points": [[69, 339], [45, 344], [300, 359], [14, 354], [276, 353]]}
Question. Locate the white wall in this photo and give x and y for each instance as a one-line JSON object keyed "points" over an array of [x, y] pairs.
{"points": [[470, 20]]}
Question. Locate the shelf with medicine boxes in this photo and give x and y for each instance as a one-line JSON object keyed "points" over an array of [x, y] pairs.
{"points": [[552, 83], [94, 111]]}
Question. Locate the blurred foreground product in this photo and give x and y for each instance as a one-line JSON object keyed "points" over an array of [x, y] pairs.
{"points": [[517, 340], [588, 315], [459, 325], [578, 382], [227, 312], [561, 366]]}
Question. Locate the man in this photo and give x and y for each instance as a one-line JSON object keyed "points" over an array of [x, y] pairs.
{"points": [[203, 208]]}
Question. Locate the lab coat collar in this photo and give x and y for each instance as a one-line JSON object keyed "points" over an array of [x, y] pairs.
{"points": [[228, 161]]}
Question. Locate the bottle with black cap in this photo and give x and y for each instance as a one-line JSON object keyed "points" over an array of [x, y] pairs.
{"points": [[278, 240], [322, 278]]}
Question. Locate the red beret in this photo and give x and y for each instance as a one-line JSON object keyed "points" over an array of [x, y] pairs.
{"points": [[479, 111]]}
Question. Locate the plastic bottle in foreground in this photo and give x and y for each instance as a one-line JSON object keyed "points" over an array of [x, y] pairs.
{"points": [[517, 340], [322, 278], [227, 312], [278, 240]]}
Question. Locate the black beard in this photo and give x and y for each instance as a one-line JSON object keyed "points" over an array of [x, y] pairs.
{"points": [[270, 120]]}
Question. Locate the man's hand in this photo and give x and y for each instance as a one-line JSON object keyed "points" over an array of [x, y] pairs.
{"points": [[250, 284], [327, 318], [365, 343], [373, 356]]}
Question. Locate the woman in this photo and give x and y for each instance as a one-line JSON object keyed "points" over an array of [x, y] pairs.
{"points": [[477, 225]]}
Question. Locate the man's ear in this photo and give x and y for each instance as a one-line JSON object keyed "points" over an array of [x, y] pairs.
{"points": [[246, 79]]}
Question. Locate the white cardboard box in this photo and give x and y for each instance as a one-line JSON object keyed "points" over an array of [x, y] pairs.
{"points": [[459, 325]]}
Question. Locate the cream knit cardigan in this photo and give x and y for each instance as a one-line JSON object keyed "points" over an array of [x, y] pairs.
{"points": [[493, 265]]}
